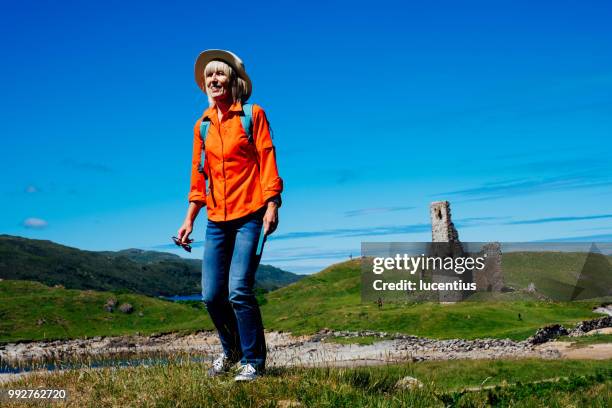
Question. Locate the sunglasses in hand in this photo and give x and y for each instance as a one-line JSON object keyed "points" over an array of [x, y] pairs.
{"points": [[185, 246]]}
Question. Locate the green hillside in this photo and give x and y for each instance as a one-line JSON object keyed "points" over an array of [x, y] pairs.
{"points": [[332, 299], [146, 272], [33, 311], [556, 274], [328, 299]]}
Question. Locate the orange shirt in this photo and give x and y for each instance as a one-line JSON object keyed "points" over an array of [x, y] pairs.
{"points": [[242, 175]]}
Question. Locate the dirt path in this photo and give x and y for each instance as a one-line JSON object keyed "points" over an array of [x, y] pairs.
{"points": [[590, 352]]}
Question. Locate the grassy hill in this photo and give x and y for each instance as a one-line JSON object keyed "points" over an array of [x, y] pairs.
{"points": [[332, 299], [33, 311], [556, 274], [328, 299], [146, 272]]}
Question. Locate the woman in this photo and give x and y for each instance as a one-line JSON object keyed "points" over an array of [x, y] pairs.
{"points": [[242, 200]]}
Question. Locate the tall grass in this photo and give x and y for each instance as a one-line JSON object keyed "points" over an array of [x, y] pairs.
{"points": [[183, 383]]}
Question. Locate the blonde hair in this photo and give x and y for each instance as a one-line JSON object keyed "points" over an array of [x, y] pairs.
{"points": [[237, 85]]}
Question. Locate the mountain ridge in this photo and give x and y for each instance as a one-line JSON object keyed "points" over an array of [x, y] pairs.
{"points": [[151, 273]]}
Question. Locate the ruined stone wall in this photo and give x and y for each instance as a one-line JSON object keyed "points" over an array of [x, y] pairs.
{"points": [[442, 227], [491, 278], [445, 243]]}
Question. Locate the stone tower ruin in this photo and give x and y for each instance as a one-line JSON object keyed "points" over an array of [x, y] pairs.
{"points": [[446, 243], [442, 228]]}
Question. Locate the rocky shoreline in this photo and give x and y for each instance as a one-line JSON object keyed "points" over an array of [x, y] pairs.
{"points": [[548, 333], [286, 349]]}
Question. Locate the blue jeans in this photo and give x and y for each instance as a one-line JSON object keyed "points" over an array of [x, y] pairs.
{"points": [[228, 277]]}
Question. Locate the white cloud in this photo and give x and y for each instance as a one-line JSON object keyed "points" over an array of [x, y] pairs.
{"points": [[37, 223], [32, 189]]}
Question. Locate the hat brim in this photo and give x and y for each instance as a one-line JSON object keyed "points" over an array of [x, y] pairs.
{"points": [[226, 56]]}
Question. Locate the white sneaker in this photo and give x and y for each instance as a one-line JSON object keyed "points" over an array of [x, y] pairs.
{"points": [[220, 365], [246, 372]]}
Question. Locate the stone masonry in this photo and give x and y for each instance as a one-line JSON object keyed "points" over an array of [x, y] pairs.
{"points": [[491, 278], [443, 230]]}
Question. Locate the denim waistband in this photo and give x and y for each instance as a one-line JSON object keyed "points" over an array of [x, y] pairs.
{"points": [[246, 218]]}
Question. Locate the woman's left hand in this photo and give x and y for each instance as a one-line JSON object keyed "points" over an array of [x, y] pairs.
{"points": [[270, 219]]}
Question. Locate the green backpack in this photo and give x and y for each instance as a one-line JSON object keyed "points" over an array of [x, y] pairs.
{"points": [[247, 124]]}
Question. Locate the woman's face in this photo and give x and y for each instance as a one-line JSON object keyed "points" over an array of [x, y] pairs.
{"points": [[217, 85]]}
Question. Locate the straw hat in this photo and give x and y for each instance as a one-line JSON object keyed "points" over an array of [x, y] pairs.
{"points": [[226, 56]]}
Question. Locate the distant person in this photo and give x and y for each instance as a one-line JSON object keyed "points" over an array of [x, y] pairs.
{"points": [[234, 174]]}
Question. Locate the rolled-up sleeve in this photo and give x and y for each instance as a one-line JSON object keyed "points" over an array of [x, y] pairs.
{"points": [[197, 191], [271, 183]]}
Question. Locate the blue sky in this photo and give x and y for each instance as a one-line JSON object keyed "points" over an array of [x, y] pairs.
{"points": [[504, 108]]}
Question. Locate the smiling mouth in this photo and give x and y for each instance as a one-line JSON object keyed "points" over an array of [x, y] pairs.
{"points": [[215, 87]]}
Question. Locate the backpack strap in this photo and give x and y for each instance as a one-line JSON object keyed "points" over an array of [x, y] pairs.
{"points": [[203, 133], [204, 129], [247, 124], [247, 120]]}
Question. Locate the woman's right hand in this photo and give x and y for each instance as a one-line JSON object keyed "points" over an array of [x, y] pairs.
{"points": [[184, 232], [192, 212]]}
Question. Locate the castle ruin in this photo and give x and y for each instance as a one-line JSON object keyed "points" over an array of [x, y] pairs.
{"points": [[442, 228], [446, 243]]}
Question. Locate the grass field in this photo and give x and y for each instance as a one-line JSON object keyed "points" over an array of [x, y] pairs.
{"points": [[556, 273], [331, 299], [328, 299], [69, 313], [184, 383]]}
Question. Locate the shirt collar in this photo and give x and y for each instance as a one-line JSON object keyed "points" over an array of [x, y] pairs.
{"points": [[211, 112]]}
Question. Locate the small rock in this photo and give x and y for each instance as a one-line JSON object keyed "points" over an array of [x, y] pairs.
{"points": [[605, 308], [126, 308], [408, 383], [288, 404], [110, 305], [40, 322]]}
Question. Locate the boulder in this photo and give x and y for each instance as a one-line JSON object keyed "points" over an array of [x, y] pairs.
{"points": [[110, 305], [126, 308], [588, 325], [547, 333], [408, 383]]}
